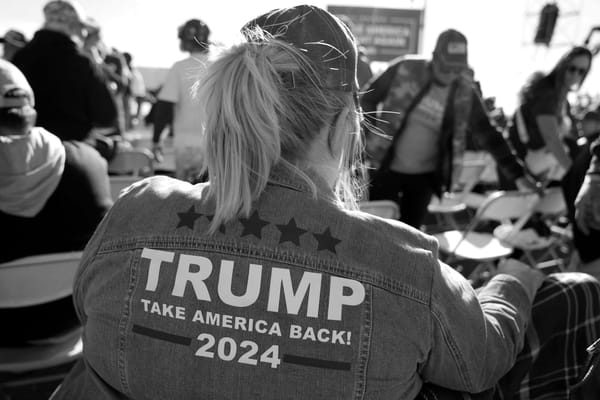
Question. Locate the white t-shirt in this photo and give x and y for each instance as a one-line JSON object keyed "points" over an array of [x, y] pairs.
{"points": [[177, 89], [417, 149]]}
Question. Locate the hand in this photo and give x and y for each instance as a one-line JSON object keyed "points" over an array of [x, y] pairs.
{"points": [[157, 152], [529, 277], [587, 205]]}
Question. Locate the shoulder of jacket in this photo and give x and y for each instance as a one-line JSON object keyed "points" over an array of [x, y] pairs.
{"points": [[159, 187], [400, 241]]}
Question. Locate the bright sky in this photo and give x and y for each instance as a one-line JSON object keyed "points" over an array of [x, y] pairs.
{"points": [[500, 33]]}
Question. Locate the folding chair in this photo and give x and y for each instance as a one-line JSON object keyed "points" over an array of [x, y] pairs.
{"points": [[543, 251], [381, 208], [484, 247], [32, 281], [451, 203], [136, 162], [127, 167]]}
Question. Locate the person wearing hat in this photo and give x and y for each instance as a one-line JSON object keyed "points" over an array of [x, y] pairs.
{"points": [[266, 282], [177, 108], [12, 42], [73, 98], [53, 194], [415, 144]]}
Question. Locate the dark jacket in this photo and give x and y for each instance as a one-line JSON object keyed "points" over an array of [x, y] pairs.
{"points": [[400, 88], [71, 92], [70, 215]]}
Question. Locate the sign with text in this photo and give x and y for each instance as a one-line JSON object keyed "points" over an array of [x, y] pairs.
{"points": [[384, 33]]}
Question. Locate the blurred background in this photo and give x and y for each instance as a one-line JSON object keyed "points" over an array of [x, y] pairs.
{"points": [[501, 34]]}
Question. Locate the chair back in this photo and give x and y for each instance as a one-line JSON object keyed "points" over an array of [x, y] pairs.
{"points": [[381, 208], [503, 206], [137, 162], [552, 202], [37, 279], [40, 356], [470, 174]]}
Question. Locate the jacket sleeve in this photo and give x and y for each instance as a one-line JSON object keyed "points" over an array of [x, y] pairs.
{"points": [[102, 105], [487, 137], [376, 91], [475, 336]]}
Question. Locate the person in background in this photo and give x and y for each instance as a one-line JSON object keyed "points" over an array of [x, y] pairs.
{"points": [[175, 105], [114, 66], [266, 282], [582, 195], [53, 195], [417, 140], [12, 42], [93, 45], [136, 93], [542, 131], [587, 213], [73, 99]]}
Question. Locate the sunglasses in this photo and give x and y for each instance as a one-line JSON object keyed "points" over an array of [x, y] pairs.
{"points": [[576, 70]]}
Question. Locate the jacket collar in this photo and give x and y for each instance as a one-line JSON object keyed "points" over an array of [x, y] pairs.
{"points": [[287, 177]]}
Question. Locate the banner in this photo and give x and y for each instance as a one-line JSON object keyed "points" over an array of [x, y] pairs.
{"points": [[383, 33]]}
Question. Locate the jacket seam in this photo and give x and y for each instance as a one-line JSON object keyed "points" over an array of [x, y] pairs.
{"points": [[454, 350], [123, 327], [365, 347]]}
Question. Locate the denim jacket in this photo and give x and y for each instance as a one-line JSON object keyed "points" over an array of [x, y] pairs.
{"points": [[301, 300]]}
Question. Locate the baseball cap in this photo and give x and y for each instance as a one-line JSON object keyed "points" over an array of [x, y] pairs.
{"points": [[14, 88], [451, 50], [64, 12], [322, 37], [14, 37], [195, 30]]}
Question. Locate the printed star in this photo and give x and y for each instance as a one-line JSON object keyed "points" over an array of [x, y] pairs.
{"points": [[188, 218], [253, 225], [326, 241], [290, 232]]}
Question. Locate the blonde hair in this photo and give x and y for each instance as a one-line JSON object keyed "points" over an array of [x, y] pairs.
{"points": [[263, 105]]}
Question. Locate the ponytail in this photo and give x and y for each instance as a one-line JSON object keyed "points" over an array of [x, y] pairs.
{"points": [[262, 105]]}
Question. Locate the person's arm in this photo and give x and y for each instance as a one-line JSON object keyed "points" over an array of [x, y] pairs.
{"points": [[549, 129], [476, 336], [587, 203], [486, 136]]}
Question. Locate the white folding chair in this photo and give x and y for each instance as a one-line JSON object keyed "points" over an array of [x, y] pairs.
{"points": [[37, 279], [381, 208], [542, 250], [485, 247], [136, 162], [31, 281], [127, 167], [445, 209]]}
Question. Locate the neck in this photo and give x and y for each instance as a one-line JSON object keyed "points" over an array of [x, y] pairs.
{"points": [[321, 161]]}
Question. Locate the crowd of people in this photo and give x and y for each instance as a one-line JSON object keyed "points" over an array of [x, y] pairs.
{"points": [[251, 271]]}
